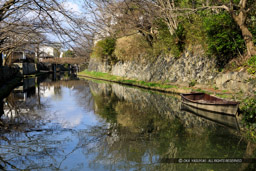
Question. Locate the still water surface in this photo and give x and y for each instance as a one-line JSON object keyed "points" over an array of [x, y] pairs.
{"points": [[69, 124]]}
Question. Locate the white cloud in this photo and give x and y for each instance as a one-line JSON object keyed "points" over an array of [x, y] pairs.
{"points": [[71, 6]]}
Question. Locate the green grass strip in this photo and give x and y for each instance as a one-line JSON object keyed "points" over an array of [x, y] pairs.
{"points": [[150, 85]]}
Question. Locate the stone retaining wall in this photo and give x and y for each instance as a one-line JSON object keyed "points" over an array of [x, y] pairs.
{"points": [[184, 70]]}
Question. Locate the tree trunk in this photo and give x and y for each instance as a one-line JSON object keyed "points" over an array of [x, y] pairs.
{"points": [[247, 35], [251, 49]]}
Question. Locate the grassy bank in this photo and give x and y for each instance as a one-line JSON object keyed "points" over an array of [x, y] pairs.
{"points": [[158, 86]]}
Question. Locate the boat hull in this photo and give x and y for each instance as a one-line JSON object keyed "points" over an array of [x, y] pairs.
{"points": [[230, 109]]}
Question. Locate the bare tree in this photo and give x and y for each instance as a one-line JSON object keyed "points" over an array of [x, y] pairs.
{"points": [[123, 18], [21, 19], [168, 13]]}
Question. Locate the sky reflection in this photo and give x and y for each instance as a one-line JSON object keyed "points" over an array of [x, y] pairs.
{"points": [[65, 111]]}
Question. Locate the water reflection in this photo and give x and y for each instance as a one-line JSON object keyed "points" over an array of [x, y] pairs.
{"points": [[148, 127], [71, 124], [223, 119]]}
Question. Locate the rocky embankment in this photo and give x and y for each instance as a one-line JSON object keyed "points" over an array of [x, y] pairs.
{"points": [[188, 68]]}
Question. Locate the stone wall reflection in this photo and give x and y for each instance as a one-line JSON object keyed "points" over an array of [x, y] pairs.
{"points": [[168, 106]]}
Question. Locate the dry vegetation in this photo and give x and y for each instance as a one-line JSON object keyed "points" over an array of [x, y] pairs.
{"points": [[78, 60], [132, 47]]}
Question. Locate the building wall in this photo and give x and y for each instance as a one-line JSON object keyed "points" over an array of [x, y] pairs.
{"points": [[46, 51]]}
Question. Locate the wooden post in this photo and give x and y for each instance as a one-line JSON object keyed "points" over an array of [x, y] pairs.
{"points": [[53, 67]]}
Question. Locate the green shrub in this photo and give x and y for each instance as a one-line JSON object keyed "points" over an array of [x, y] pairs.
{"points": [[164, 40], [180, 37], [195, 32], [167, 43], [253, 31], [104, 48], [224, 38], [252, 65], [248, 110], [251, 23]]}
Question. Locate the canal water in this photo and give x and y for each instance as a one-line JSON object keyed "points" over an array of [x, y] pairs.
{"points": [[63, 123]]}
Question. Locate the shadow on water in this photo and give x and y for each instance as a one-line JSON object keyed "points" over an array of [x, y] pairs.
{"points": [[58, 122]]}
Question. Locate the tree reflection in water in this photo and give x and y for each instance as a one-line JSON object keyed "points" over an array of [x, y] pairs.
{"points": [[138, 134], [28, 140], [114, 128], [21, 128]]}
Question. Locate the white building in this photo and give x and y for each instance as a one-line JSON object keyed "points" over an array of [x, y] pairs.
{"points": [[50, 51], [46, 51]]}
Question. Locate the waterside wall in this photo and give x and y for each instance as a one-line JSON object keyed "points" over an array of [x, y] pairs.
{"points": [[188, 68]]}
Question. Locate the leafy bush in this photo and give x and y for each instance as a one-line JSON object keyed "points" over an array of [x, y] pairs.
{"points": [[224, 38], [167, 43], [252, 65], [180, 37], [251, 22], [253, 31], [195, 32], [104, 48], [248, 110]]}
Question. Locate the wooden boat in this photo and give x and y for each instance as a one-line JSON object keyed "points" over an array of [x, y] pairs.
{"points": [[229, 121], [210, 103]]}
